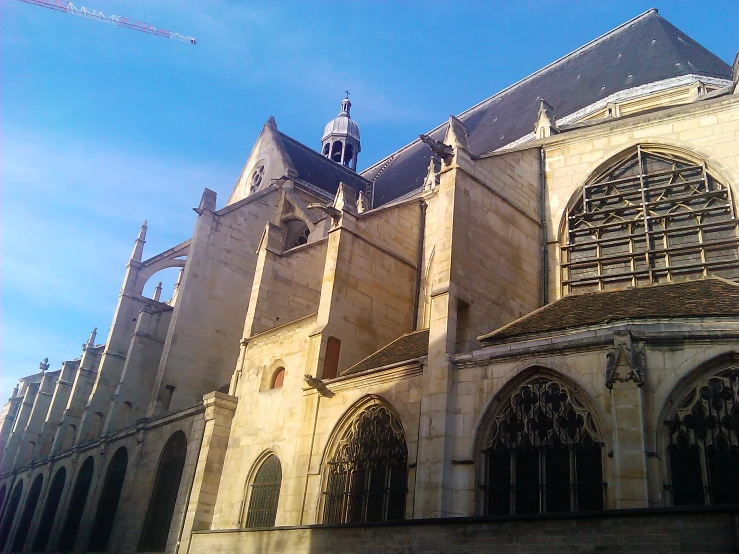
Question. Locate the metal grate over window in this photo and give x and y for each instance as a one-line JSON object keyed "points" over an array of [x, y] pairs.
{"points": [[544, 454], [651, 218], [368, 472], [265, 493], [704, 445]]}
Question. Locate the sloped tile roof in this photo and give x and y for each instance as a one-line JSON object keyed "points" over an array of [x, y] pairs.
{"points": [[644, 50], [711, 297], [319, 170], [408, 347]]}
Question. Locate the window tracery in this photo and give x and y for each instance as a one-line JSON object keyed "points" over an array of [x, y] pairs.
{"points": [[256, 178], [543, 454], [265, 494], [652, 217], [704, 443], [368, 471]]}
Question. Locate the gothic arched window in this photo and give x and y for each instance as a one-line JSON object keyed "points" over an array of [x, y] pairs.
{"points": [[652, 217], [704, 443], [108, 505], [367, 473], [53, 498], [164, 495], [543, 453], [265, 494], [76, 506]]}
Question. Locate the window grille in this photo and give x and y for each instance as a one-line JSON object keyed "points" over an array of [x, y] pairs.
{"points": [[265, 494], [544, 454], [703, 443], [368, 472], [651, 218]]}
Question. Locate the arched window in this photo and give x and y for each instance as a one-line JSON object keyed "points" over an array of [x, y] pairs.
{"points": [[278, 378], [29, 509], [367, 473], [265, 494], [297, 233], [76, 506], [652, 217], [336, 151], [164, 495], [348, 154], [704, 443], [542, 453], [9, 515], [50, 509], [108, 505]]}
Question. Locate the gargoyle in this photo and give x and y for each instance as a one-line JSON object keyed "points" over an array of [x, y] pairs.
{"points": [[318, 384], [333, 213], [444, 151]]}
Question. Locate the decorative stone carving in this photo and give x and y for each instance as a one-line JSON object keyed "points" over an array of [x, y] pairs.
{"points": [[625, 361], [444, 151]]}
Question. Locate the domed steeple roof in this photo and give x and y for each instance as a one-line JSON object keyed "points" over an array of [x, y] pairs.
{"points": [[343, 124]]}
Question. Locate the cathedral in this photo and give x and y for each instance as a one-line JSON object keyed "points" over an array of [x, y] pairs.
{"points": [[517, 333]]}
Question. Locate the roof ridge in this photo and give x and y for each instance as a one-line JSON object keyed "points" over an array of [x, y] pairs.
{"points": [[318, 154]]}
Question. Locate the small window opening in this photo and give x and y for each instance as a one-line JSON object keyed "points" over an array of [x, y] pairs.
{"points": [[336, 151], [167, 400], [348, 154], [331, 361], [265, 494], [278, 378], [326, 148]]}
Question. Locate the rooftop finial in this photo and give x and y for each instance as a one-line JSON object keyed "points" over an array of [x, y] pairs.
{"points": [[138, 246], [91, 341], [347, 93], [158, 292], [43, 366]]}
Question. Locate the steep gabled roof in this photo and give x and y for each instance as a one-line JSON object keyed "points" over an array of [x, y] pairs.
{"points": [[645, 50], [711, 297], [408, 347], [319, 170]]}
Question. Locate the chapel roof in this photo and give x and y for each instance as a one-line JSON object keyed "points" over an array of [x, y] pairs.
{"points": [[709, 297], [644, 50], [406, 348], [319, 170]]}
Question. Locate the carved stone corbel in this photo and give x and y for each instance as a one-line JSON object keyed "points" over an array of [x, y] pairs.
{"points": [[625, 361]]}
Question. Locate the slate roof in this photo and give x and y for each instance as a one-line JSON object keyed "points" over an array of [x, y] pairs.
{"points": [[408, 347], [710, 297], [641, 51], [319, 170]]}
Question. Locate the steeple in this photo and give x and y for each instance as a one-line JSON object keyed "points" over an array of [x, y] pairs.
{"points": [[340, 141]]}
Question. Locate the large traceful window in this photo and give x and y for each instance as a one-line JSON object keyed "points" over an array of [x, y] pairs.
{"points": [[704, 443], [368, 471], [543, 454], [653, 217], [265, 494]]}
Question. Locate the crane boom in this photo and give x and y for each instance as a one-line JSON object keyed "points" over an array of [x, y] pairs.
{"points": [[120, 21]]}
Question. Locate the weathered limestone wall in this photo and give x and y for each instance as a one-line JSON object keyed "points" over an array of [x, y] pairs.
{"points": [[496, 243], [367, 295], [268, 420], [133, 393], [202, 343], [665, 532], [144, 446], [707, 130], [59, 400], [287, 285]]}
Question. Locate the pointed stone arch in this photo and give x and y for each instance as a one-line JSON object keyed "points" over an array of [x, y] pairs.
{"points": [[263, 491], [46, 523], [109, 500], [76, 506], [699, 438], [29, 509], [9, 514], [164, 493], [365, 466], [539, 425]]}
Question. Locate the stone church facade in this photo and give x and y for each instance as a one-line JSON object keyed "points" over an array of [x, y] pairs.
{"points": [[517, 333]]}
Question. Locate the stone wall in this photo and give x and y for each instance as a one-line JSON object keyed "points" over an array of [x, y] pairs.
{"points": [[665, 531]]}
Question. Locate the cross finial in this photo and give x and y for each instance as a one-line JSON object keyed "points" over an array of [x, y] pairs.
{"points": [[347, 92]]}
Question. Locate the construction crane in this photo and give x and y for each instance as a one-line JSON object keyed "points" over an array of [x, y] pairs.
{"points": [[120, 21]]}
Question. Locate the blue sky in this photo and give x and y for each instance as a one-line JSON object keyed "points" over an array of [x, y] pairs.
{"points": [[104, 127]]}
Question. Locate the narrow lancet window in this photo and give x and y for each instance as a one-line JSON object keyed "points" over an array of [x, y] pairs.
{"points": [[265, 494]]}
